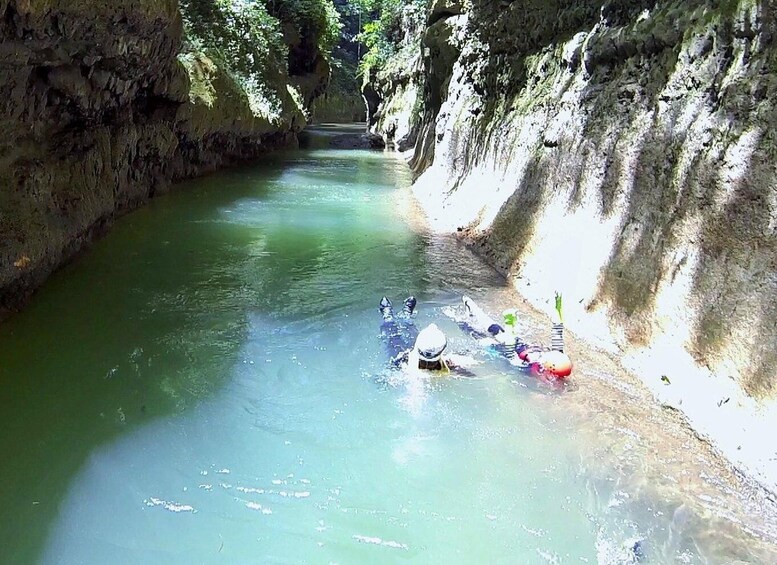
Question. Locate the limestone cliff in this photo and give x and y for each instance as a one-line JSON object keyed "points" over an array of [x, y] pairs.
{"points": [[103, 104], [393, 91], [623, 153]]}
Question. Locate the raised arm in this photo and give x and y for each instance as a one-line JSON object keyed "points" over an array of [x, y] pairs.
{"points": [[557, 330]]}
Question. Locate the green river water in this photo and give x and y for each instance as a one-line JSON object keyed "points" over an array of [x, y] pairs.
{"points": [[207, 384]]}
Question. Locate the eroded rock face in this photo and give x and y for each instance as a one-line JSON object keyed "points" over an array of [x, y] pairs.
{"points": [[390, 93], [624, 154], [100, 111], [88, 99]]}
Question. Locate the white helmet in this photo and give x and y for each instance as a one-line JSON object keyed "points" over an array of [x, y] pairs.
{"points": [[430, 343]]}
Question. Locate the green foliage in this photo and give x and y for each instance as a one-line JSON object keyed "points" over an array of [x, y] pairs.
{"points": [[382, 33], [343, 78], [242, 39], [510, 319], [241, 34], [375, 34], [334, 26], [378, 48], [364, 6], [311, 18], [248, 35], [249, 40]]}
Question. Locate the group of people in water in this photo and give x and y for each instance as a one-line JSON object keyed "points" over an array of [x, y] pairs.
{"points": [[426, 349]]}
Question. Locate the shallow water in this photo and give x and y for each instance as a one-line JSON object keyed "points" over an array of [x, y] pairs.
{"points": [[207, 385]]}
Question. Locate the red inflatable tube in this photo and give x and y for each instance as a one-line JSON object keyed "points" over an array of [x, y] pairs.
{"points": [[553, 363], [556, 363]]}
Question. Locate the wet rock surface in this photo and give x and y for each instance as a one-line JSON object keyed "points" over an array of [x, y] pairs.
{"points": [[87, 104], [621, 153]]}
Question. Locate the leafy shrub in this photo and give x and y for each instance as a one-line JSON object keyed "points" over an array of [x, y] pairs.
{"points": [[239, 33], [317, 19], [383, 32]]}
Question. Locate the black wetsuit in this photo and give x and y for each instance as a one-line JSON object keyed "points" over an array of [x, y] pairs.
{"points": [[398, 332]]}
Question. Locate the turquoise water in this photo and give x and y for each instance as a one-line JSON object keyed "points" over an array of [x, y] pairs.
{"points": [[207, 385]]}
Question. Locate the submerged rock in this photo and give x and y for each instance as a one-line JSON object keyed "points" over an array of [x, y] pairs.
{"points": [[360, 141]]}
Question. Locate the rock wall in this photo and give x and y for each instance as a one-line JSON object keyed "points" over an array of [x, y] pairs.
{"points": [[393, 94], [342, 101], [102, 105], [623, 153]]}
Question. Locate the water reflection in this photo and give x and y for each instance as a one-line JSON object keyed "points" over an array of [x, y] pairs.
{"points": [[225, 397]]}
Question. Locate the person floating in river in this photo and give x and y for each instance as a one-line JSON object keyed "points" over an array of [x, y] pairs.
{"points": [[398, 331], [504, 339], [427, 351]]}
